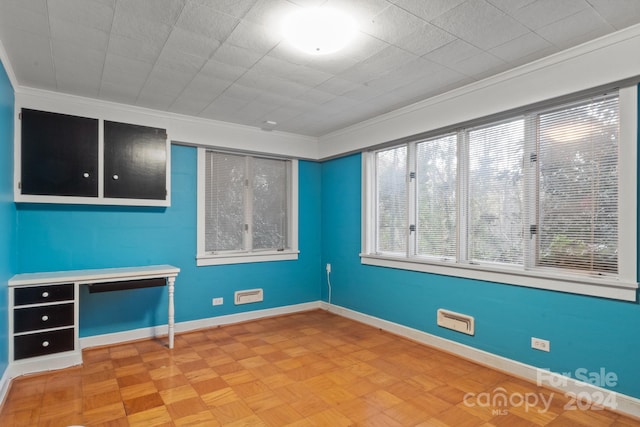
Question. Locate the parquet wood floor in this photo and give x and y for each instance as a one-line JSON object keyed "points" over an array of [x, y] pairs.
{"points": [[305, 369]]}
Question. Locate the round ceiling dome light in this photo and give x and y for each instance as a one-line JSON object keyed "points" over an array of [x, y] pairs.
{"points": [[319, 31]]}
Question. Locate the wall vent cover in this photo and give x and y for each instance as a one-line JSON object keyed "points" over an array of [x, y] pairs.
{"points": [[456, 321], [248, 296]]}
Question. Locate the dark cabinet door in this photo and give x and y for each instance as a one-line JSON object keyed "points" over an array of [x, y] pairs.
{"points": [[135, 161], [59, 154]]}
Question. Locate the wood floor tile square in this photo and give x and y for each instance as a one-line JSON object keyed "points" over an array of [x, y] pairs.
{"points": [[209, 385], [381, 420], [250, 388], [231, 412], [330, 417], [199, 419], [110, 384], [164, 371], [170, 382], [132, 369], [142, 403], [184, 407], [94, 401], [407, 414], [138, 390], [104, 414], [220, 397], [263, 401], [158, 416], [179, 393], [279, 416], [201, 375], [134, 379]]}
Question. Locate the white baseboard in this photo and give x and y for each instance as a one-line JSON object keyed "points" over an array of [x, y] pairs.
{"points": [[614, 401], [44, 363], [36, 365], [161, 330], [5, 383]]}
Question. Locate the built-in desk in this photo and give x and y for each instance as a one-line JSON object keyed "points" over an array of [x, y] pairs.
{"points": [[43, 311]]}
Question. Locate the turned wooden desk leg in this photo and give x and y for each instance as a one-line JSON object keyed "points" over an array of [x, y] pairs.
{"points": [[170, 284]]}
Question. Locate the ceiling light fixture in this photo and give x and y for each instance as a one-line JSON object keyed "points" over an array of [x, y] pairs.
{"points": [[319, 31]]}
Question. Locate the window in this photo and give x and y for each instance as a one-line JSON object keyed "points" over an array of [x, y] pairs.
{"points": [[247, 208], [535, 199]]}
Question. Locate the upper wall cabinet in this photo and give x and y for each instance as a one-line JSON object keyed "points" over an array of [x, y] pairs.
{"points": [[59, 154], [62, 158], [135, 161]]}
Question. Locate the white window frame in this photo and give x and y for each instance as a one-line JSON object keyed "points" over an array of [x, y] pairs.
{"points": [[204, 258], [622, 286]]}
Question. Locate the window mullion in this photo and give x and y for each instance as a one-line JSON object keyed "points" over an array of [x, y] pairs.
{"points": [[248, 204], [411, 200], [530, 167], [463, 197], [627, 182]]}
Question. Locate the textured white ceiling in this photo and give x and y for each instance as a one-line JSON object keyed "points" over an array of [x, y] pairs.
{"points": [[226, 60]]}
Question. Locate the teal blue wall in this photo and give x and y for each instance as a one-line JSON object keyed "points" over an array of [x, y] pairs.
{"points": [[585, 332], [8, 258], [64, 237]]}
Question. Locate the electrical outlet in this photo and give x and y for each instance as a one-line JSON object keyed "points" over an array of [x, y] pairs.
{"points": [[540, 344], [328, 268], [217, 301]]}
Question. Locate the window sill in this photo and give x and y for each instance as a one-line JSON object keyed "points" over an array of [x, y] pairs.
{"points": [[605, 287], [242, 258]]}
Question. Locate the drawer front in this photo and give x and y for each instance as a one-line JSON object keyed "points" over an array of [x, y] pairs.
{"points": [[43, 343], [44, 317], [42, 294]]}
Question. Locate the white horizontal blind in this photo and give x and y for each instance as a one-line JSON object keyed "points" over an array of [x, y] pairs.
{"points": [[391, 196], [578, 187], [270, 203], [436, 180], [224, 202], [495, 176]]}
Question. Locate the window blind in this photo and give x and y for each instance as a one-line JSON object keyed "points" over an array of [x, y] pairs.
{"points": [[496, 213], [225, 202], [270, 196], [391, 189], [436, 179], [578, 186]]}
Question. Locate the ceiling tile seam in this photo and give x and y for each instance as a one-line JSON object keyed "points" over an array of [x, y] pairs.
{"points": [[239, 77], [447, 32], [566, 17], [211, 55], [53, 62], [160, 52], [595, 10], [106, 52]]}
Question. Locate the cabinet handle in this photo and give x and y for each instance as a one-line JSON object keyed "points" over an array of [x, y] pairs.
{"points": [[45, 318], [45, 343], [115, 177], [45, 294], [86, 174]]}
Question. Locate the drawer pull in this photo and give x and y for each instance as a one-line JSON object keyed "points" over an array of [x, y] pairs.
{"points": [[45, 294], [45, 318], [45, 343]]}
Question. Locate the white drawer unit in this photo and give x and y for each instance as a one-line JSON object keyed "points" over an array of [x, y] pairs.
{"points": [[43, 326], [44, 307]]}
